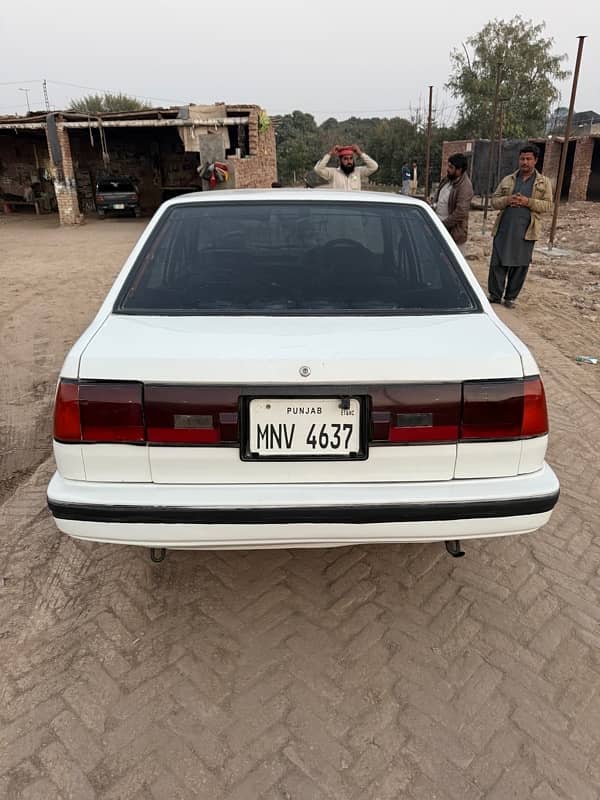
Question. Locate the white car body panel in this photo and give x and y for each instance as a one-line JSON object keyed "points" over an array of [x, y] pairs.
{"points": [[487, 459], [192, 465], [533, 452], [127, 463], [117, 463]]}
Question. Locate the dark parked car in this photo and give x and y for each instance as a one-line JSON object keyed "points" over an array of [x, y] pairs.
{"points": [[117, 196]]}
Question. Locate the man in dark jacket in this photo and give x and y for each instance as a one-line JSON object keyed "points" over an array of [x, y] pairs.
{"points": [[453, 199]]}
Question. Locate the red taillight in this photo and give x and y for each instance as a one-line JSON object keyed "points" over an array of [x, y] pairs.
{"points": [[111, 412], [67, 423], [474, 411], [99, 198], [511, 409], [191, 414], [492, 410], [416, 413], [535, 412]]}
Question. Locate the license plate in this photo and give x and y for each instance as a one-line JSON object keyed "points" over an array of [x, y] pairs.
{"points": [[299, 428], [119, 206]]}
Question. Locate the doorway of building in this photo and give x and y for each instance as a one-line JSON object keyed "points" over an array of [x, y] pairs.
{"points": [[593, 188]]}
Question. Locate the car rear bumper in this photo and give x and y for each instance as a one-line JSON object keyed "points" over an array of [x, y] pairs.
{"points": [[276, 515], [126, 206]]}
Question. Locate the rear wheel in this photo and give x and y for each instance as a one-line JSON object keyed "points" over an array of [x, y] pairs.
{"points": [[101, 213]]}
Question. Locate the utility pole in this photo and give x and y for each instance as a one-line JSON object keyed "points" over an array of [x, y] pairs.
{"points": [[500, 133], [428, 150], [565, 146], [27, 98], [46, 95], [492, 139]]}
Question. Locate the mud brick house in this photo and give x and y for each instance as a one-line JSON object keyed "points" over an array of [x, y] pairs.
{"points": [[54, 160]]}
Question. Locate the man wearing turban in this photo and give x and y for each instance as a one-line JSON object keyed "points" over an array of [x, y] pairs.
{"points": [[347, 177]]}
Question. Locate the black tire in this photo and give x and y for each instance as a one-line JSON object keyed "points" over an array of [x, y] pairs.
{"points": [[101, 213]]}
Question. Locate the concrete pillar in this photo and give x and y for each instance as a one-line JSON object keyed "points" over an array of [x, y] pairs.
{"points": [[63, 176]]}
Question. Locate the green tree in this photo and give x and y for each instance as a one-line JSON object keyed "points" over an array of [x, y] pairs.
{"points": [[529, 71], [298, 145], [393, 143], [105, 102], [354, 130]]}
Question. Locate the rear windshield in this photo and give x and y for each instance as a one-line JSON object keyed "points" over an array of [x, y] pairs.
{"points": [[115, 186], [285, 258]]}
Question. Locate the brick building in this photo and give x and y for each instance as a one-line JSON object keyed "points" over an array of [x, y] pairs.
{"points": [[582, 169], [56, 159]]}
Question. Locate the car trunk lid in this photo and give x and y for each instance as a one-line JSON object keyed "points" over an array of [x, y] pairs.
{"points": [[274, 350]]}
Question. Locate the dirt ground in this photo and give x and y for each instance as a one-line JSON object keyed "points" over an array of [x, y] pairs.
{"points": [[363, 673], [53, 281], [561, 297]]}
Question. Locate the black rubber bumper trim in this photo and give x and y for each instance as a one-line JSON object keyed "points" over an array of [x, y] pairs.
{"points": [[353, 515]]}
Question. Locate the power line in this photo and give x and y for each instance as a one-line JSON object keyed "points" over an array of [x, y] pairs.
{"points": [[350, 110], [14, 83], [113, 91], [334, 111], [91, 89]]}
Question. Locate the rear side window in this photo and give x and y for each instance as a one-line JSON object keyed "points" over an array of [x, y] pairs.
{"points": [[296, 258], [115, 186]]}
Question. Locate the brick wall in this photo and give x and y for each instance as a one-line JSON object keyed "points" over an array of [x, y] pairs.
{"points": [[582, 167], [65, 186], [259, 169], [552, 159]]}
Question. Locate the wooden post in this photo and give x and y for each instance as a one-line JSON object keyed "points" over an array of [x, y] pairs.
{"points": [[428, 150], [565, 146]]}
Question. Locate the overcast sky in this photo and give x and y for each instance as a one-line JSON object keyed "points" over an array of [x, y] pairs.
{"points": [[330, 59]]}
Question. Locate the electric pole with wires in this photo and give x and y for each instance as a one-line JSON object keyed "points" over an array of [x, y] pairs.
{"points": [[428, 149], [492, 141], [46, 101]]}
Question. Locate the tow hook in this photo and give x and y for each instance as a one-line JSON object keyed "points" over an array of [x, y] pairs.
{"points": [[453, 547], [157, 554]]}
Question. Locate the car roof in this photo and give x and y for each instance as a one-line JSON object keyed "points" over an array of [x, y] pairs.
{"points": [[301, 194]]}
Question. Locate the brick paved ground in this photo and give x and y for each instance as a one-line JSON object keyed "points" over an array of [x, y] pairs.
{"points": [[368, 673]]}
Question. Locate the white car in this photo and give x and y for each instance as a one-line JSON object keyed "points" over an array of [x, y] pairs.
{"points": [[294, 368]]}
